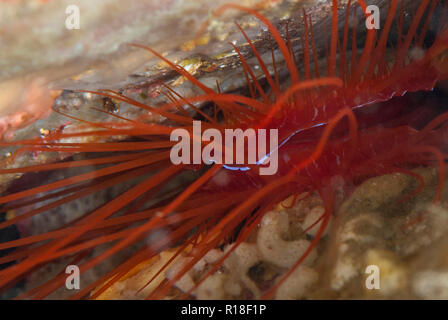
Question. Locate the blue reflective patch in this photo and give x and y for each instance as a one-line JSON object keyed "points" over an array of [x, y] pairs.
{"points": [[236, 168]]}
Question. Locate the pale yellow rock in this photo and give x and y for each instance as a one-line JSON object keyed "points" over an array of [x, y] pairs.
{"points": [[128, 285]]}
